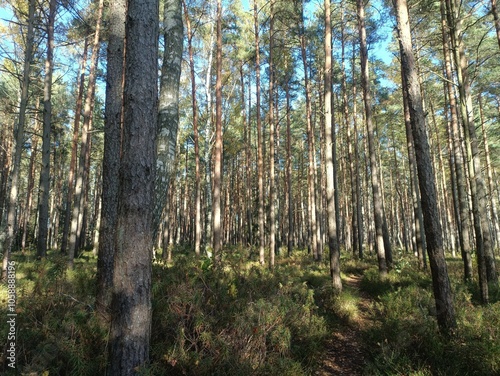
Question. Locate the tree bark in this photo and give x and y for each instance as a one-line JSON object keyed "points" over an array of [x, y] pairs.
{"points": [[464, 225], [440, 281], [329, 145], [82, 175], [131, 303], [168, 115], [194, 103], [272, 131], [378, 209], [18, 140], [260, 157], [113, 120], [43, 201], [216, 203]]}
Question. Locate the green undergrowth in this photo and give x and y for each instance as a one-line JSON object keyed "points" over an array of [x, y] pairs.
{"points": [[406, 340], [234, 318], [241, 318]]}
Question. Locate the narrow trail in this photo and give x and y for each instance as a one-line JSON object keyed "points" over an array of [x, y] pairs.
{"points": [[345, 353]]}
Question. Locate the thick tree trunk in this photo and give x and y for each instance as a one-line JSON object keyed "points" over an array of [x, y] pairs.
{"points": [[43, 200], [440, 281], [378, 209], [111, 159], [131, 303]]}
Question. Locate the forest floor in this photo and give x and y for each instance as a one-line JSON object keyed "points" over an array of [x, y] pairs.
{"points": [[345, 354]]}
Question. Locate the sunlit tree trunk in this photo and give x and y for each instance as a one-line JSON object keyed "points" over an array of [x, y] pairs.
{"points": [[216, 203], [495, 226], [272, 131], [464, 225], [131, 302], [168, 102], [433, 231], [378, 209], [43, 200], [484, 249], [82, 175], [260, 157], [329, 145], [17, 146]]}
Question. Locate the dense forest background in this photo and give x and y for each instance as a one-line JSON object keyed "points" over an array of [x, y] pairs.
{"points": [[332, 135]]}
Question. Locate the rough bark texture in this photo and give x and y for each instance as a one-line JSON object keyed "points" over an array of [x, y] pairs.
{"points": [[111, 159], [329, 145], [433, 232], [168, 114], [131, 303], [43, 200], [378, 210]]}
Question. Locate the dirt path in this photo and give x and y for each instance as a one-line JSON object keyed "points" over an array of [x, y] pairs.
{"points": [[345, 355]]}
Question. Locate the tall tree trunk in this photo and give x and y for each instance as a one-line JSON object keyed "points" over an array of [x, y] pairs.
{"points": [[272, 172], [440, 281], [248, 171], [131, 303], [329, 145], [168, 115], [43, 200], [82, 175], [359, 183], [378, 209], [18, 140], [74, 149], [208, 140], [310, 143], [289, 198], [31, 177], [216, 204], [260, 157], [464, 225], [198, 229], [495, 226], [420, 244], [484, 251], [111, 159]]}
